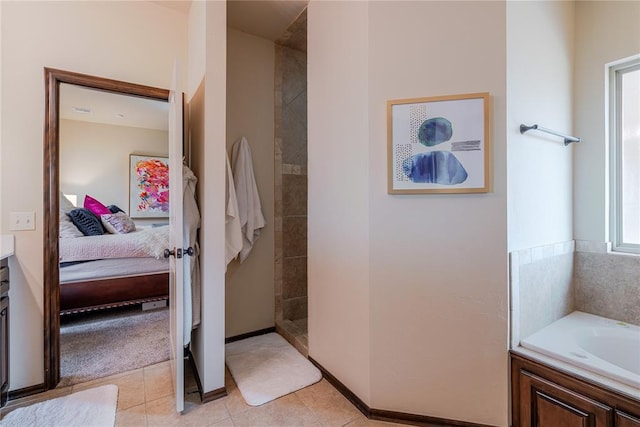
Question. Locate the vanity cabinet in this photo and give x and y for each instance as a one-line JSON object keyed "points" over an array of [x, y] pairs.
{"points": [[4, 331], [543, 396], [626, 420]]}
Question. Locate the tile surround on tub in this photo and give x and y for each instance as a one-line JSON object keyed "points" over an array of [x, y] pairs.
{"points": [[541, 287], [593, 246], [550, 280], [538, 253], [608, 285], [546, 292]]}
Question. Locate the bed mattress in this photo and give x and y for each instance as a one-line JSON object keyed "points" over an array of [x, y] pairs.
{"points": [[145, 242], [112, 268]]}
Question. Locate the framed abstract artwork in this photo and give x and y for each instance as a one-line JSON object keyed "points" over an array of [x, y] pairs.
{"points": [[148, 186], [438, 144]]}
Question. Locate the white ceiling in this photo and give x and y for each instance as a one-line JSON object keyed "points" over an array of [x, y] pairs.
{"points": [[111, 108], [263, 18]]}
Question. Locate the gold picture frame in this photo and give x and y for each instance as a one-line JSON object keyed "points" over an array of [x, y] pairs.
{"points": [[439, 144]]}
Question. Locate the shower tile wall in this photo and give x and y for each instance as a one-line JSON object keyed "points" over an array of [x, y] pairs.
{"points": [[294, 239], [291, 182]]}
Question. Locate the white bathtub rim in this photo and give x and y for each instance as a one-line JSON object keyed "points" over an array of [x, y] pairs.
{"points": [[567, 350]]}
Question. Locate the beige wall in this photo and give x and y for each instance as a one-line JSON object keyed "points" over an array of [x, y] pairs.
{"points": [[338, 192], [94, 159], [605, 32], [438, 272], [250, 113], [207, 83], [407, 294], [107, 39], [540, 55], [540, 65]]}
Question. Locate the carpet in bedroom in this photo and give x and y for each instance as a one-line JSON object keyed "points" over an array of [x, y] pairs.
{"points": [[96, 345]]}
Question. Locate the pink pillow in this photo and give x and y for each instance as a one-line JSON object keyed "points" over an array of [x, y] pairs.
{"points": [[95, 206]]}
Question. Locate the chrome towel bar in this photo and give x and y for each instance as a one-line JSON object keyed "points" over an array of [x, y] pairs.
{"points": [[568, 139]]}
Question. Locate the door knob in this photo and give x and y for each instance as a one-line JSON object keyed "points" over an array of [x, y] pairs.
{"points": [[178, 252], [168, 253]]}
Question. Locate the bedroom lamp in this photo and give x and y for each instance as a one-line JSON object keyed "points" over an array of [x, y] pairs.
{"points": [[73, 198]]}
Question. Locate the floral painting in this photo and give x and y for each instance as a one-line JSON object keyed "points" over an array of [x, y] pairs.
{"points": [[148, 186]]}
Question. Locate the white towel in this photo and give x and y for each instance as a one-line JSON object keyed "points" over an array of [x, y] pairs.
{"points": [[191, 273], [233, 233], [251, 217]]}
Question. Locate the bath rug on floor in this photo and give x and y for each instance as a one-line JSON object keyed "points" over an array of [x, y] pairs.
{"points": [[267, 367], [92, 407]]}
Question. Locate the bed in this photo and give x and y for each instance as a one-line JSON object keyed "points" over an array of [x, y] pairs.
{"points": [[113, 270]]}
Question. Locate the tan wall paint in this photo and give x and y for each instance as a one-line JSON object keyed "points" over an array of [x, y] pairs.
{"points": [[605, 32], [338, 192], [208, 37], [407, 294], [127, 41], [438, 264], [540, 66], [540, 52], [250, 113], [94, 159]]}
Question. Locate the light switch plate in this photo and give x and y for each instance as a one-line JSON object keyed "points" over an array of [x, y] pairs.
{"points": [[22, 221]]}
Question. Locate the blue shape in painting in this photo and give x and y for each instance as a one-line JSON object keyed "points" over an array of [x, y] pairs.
{"points": [[435, 167], [435, 131]]}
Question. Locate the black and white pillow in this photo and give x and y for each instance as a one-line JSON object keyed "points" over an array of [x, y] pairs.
{"points": [[87, 222]]}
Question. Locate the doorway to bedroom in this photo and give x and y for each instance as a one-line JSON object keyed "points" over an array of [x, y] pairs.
{"points": [[113, 153]]}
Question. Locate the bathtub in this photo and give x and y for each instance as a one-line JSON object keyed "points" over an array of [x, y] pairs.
{"points": [[604, 346]]}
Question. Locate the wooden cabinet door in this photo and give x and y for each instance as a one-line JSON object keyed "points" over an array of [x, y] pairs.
{"points": [[4, 350], [546, 404], [625, 420]]}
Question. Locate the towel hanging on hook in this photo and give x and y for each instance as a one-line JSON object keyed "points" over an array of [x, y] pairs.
{"points": [[568, 139]]}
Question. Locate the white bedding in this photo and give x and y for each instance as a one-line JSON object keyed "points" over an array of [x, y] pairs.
{"points": [[112, 268], [146, 242]]}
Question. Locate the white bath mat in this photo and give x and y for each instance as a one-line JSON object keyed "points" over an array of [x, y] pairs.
{"points": [[92, 407], [267, 367]]}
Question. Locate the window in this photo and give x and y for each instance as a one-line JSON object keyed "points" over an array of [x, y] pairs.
{"points": [[624, 124]]}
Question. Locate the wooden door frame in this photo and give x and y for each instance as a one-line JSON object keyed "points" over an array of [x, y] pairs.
{"points": [[51, 286]]}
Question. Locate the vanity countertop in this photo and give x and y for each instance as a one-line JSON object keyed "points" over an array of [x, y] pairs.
{"points": [[6, 245]]}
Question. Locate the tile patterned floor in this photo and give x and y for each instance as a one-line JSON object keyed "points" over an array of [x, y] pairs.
{"points": [[145, 398]]}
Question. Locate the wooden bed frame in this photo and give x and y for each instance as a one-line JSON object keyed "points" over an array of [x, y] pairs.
{"points": [[77, 297]]}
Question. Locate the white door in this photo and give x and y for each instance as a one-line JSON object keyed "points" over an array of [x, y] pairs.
{"points": [[176, 283]]}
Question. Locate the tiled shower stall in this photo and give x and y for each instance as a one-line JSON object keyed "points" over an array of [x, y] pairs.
{"points": [[291, 184]]}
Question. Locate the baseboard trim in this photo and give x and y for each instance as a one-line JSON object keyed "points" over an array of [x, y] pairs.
{"points": [[389, 416], [418, 420], [210, 395], [343, 389], [250, 334], [26, 391]]}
